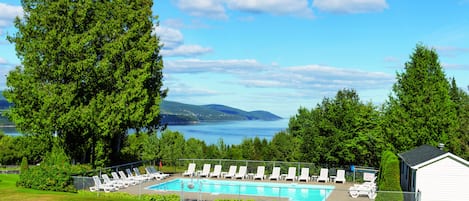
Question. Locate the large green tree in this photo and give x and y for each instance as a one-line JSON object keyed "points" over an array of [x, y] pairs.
{"points": [[91, 70], [459, 142], [420, 110], [339, 131]]}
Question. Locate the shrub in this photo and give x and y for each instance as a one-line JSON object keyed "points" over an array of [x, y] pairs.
{"points": [[24, 165], [389, 178], [53, 174]]}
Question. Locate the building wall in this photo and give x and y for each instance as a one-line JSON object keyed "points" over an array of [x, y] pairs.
{"points": [[443, 180]]}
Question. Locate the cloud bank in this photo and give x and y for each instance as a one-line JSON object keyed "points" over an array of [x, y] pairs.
{"points": [[218, 8], [350, 6], [172, 41]]}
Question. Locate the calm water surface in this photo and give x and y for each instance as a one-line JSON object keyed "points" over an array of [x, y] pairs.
{"points": [[232, 132]]}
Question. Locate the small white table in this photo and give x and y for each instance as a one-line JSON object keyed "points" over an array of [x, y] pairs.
{"points": [[283, 176], [314, 178]]}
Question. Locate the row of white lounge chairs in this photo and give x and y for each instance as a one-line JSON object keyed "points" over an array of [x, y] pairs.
{"points": [[260, 174], [121, 180]]}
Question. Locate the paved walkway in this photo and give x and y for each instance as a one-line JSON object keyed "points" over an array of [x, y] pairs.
{"points": [[340, 192]]}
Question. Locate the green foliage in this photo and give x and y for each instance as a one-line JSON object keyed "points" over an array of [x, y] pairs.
{"points": [[24, 165], [143, 197], [339, 131], [53, 174], [284, 147], [420, 110], [10, 151], [171, 147], [459, 142], [194, 148], [389, 178], [90, 71], [9, 191]]}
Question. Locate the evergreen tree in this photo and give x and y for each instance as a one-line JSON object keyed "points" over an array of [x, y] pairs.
{"points": [[420, 110], [459, 143], [90, 71]]}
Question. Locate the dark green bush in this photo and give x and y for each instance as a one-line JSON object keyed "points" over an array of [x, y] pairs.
{"points": [[24, 165], [389, 178], [53, 174]]}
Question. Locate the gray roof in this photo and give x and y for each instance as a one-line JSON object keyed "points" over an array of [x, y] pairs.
{"points": [[420, 154]]}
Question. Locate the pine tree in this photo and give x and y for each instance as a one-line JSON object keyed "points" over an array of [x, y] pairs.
{"points": [[420, 110], [90, 71]]}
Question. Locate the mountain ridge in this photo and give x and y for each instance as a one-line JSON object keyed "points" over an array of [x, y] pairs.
{"points": [[181, 113]]}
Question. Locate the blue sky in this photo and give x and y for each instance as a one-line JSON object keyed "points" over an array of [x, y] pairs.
{"points": [[279, 55]]}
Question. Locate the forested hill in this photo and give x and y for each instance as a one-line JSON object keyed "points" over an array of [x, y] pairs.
{"points": [[180, 113]]}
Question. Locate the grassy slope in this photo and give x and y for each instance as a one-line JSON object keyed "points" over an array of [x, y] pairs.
{"points": [[9, 191]]}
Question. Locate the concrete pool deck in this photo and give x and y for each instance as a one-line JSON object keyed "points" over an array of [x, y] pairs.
{"points": [[340, 192]]}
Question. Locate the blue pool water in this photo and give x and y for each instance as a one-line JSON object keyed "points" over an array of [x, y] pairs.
{"points": [[292, 191]]}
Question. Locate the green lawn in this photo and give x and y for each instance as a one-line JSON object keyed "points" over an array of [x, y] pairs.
{"points": [[9, 191]]}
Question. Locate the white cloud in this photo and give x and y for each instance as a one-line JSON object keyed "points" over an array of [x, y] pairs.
{"points": [[219, 66], [177, 89], [318, 78], [350, 6], [263, 83], [3, 61], [173, 43], [8, 14], [169, 37], [203, 8], [450, 50], [251, 73], [456, 66], [217, 8], [277, 7], [186, 51]]}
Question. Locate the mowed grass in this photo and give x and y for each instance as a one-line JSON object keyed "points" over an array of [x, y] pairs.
{"points": [[9, 191]]}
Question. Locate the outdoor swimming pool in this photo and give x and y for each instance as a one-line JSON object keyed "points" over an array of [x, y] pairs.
{"points": [[292, 191]]}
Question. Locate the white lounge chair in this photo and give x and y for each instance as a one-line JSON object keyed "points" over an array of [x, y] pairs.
{"points": [[190, 170], [156, 175], [205, 171], [148, 176], [100, 186], [340, 176], [275, 174], [137, 175], [216, 171], [260, 173], [242, 172], [304, 176], [366, 189], [117, 184], [231, 172], [291, 174], [323, 175], [124, 176], [127, 182], [154, 171]]}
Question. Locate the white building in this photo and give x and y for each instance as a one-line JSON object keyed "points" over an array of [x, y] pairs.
{"points": [[436, 174]]}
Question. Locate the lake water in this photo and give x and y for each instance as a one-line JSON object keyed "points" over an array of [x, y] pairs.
{"points": [[232, 132]]}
